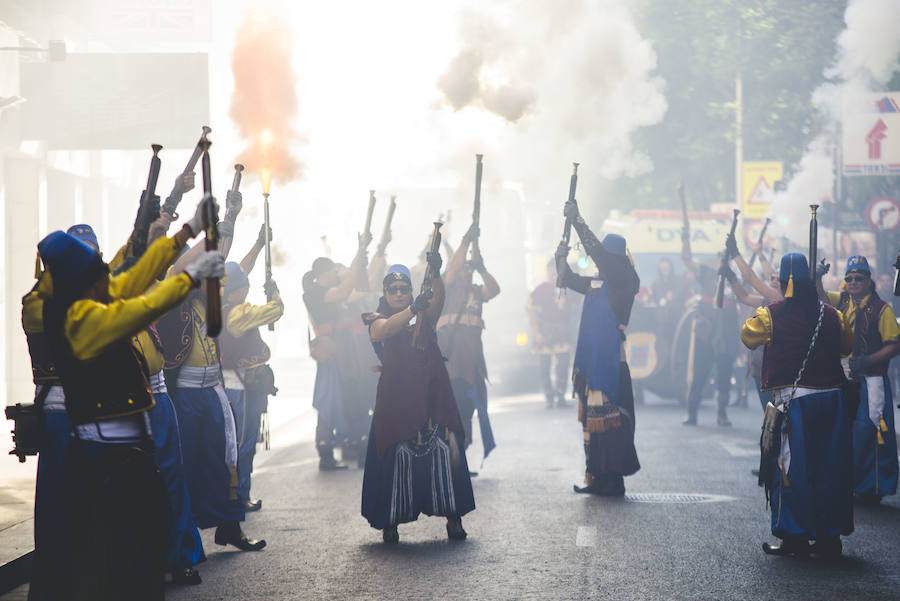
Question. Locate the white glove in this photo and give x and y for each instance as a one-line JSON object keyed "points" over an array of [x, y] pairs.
{"points": [[198, 222], [211, 264]]}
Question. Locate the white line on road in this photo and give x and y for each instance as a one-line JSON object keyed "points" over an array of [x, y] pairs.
{"points": [[586, 536]]}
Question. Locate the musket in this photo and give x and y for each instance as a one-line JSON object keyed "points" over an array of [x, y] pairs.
{"points": [[176, 194], [476, 207], [213, 296], [426, 285], [148, 212], [720, 284], [387, 222], [367, 230], [567, 228], [813, 242], [897, 276], [759, 242], [268, 248], [686, 224], [236, 182]]}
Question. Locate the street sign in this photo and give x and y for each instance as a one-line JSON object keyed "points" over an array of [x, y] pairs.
{"points": [[759, 182], [871, 134], [883, 214]]}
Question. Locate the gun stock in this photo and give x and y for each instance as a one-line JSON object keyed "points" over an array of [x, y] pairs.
{"points": [[813, 241], [213, 295], [426, 286], [476, 207], [759, 242], [720, 283]]}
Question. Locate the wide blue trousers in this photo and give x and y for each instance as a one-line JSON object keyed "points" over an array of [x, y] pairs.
{"points": [[814, 498], [248, 410], [51, 529], [202, 425], [186, 547]]}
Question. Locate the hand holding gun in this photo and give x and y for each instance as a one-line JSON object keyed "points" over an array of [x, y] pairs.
{"points": [[185, 181]]}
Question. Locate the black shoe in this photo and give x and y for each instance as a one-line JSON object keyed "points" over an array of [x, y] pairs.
{"points": [[591, 489], [186, 576], [755, 472], [455, 529], [473, 474], [231, 534], [722, 421], [787, 547], [330, 464], [864, 499], [690, 421], [829, 548], [253, 505], [390, 535]]}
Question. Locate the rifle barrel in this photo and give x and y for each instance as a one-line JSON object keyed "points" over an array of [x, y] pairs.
{"points": [[476, 208], [813, 241]]}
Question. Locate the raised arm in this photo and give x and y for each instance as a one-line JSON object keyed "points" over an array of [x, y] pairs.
{"points": [[764, 290], [740, 292], [567, 277], [491, 287], [458, 258], [249, 261]]}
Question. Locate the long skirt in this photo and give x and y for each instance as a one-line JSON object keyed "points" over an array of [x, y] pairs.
{"points": [[185, 545], [211, 474], [608, 431], [248, 409], [875, 440], [421, 475], [811, 485], [117, 514], [50, 515]]}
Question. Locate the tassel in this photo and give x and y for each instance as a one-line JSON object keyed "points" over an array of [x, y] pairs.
{"points": [[883, 425], [879, 437], [789, 291]]}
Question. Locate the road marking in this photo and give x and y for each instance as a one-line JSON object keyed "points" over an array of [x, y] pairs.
{"points": [[282, 466], [586, 536], [676, 497], [739, 448]]}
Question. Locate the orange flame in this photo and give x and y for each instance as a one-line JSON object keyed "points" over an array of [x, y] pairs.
{"points": [[264, 104]]}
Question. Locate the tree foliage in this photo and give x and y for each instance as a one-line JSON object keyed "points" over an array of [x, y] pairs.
{"points": [[780, 48]]}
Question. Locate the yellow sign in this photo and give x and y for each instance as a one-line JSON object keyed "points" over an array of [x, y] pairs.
{"points": [[759, 183]]}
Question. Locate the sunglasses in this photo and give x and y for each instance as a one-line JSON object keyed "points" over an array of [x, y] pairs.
{"points": [[855, 278], [399, 289]]}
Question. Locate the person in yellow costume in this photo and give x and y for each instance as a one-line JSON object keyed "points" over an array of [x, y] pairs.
{"points": [[205, 419], [113, 491], [876, 340], [248, 378]]}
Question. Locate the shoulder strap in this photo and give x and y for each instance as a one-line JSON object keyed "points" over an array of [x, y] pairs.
{"points": [[812, 344], [42, 396]]}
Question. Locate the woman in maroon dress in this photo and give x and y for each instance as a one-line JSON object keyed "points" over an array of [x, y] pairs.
{"points": [[413, 464]]}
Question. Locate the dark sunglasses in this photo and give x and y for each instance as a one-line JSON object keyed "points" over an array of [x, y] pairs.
{"points": [[399, 289], [855, 278]]}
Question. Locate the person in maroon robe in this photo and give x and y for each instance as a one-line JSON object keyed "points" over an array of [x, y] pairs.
{"points": [[414, 462]]}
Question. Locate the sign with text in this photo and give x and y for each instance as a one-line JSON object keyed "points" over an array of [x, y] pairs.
{"points": [[759, 184], [871, 130]]}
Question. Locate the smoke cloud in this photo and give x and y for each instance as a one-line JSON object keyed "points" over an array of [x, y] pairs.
{"points": [[867, 58], [264, 104], [572, 80]]}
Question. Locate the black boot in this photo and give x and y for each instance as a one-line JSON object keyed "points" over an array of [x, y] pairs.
{"points": [[327, 463], [829, 548], [231, 534], [186, 576], [455, 528], [390, 535]]}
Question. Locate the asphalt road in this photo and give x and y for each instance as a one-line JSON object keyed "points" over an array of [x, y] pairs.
{"points": [[532, 537]]}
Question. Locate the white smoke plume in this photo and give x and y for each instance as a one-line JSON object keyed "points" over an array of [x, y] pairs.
{"points": [[573, 80], [867, 58]]}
